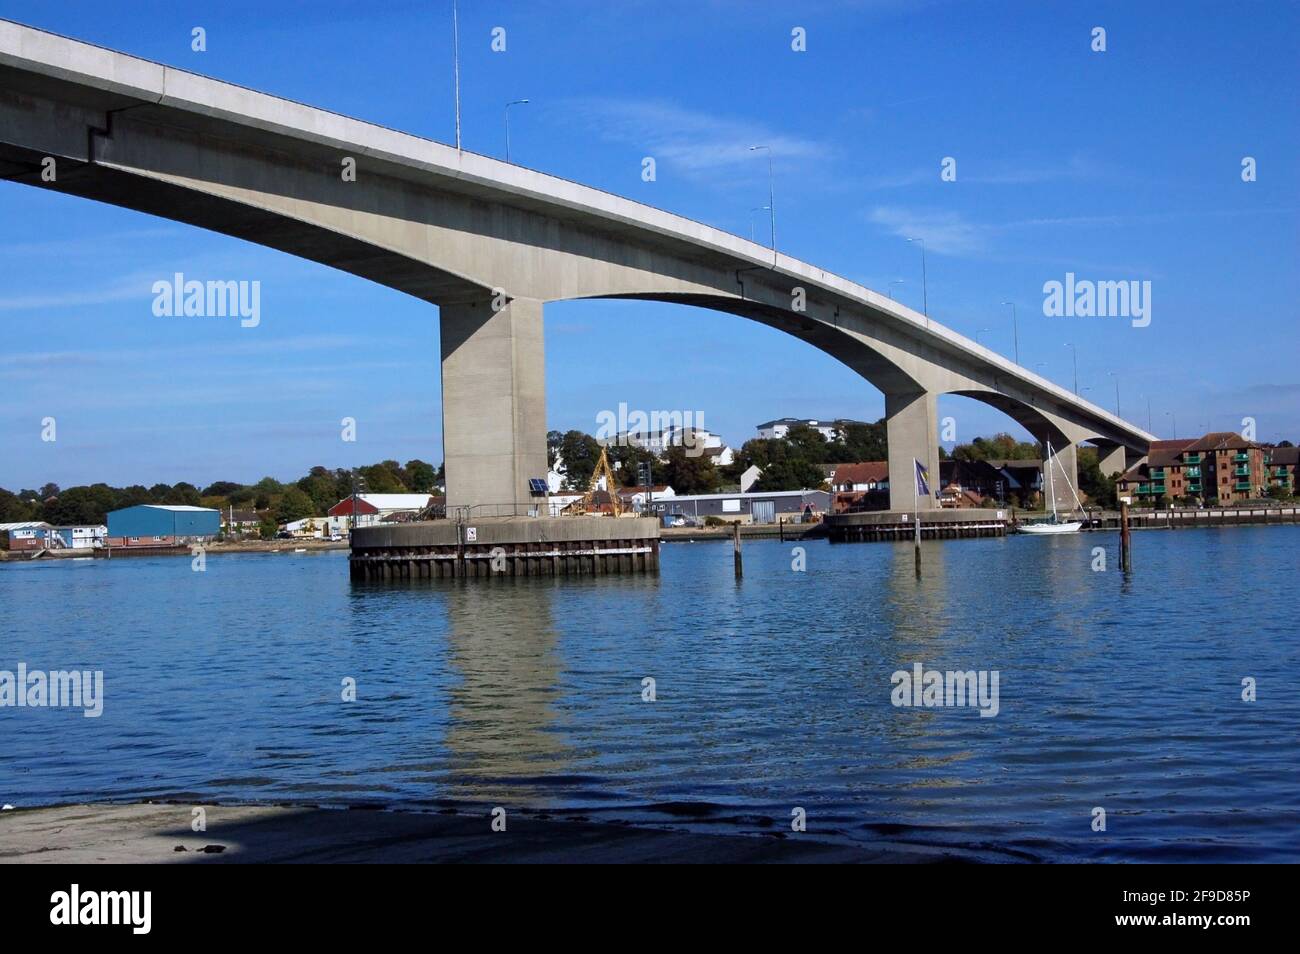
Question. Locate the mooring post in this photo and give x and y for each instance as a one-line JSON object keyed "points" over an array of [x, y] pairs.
{"points": [[1125, 545], [918, 543], [460, 549], [780, 526], [735, 542]]}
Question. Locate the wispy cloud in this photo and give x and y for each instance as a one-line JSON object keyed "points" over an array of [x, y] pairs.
{"points": [[700, 145], [945, 232], [971, 172]]}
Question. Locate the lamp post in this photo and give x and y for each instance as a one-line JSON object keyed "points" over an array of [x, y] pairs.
{"points": [[1116, 377], [757, 208], [925, 295], [455, 61], [514, 102], [1015, 329], [1173, 422], [1075, 352], [896, 281], [771, 196], [980, 332], [357, 479]]}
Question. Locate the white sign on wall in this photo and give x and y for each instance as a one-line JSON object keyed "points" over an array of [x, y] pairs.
{"points": [[471, 534]]}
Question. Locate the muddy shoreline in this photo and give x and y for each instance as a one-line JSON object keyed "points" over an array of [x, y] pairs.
{"points": [[162, 833]]}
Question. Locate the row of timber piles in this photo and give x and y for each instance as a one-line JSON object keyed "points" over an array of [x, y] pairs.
{"points": [[577, 546]]}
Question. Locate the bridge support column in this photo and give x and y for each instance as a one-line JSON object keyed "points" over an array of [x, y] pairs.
{"points": [[1112, 459], [912, 431], [493, 404], [1062, 459]]}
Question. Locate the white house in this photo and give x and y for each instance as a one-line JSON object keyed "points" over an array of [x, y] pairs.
{"points": [[635, 497], [776, 430]]}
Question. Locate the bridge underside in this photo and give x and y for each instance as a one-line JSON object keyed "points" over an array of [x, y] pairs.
{"points": [[489, 244]]}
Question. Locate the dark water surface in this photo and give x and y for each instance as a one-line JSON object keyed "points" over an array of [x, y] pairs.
{"points": [[771, 693]]}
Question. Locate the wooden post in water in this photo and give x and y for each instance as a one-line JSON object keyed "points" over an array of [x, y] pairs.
{"points": [[735, 542], [781, 528], [918, 543], [1125, 544]]}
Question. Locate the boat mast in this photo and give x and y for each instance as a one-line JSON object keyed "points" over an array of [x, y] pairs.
{"points": [[1051, 485]]}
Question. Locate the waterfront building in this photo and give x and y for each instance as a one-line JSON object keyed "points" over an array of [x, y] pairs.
{"points": [[378, 508], [162, 525], [78, 538], [1280, 464], [25, 535], [634, 498], [756, 507], [860, 486], [1221, 467]]}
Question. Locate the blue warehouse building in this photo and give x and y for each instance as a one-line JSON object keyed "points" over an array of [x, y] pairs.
{"points": [[161, 525]]}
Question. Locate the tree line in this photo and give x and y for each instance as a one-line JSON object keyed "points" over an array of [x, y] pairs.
{"points": [[275, 502]]}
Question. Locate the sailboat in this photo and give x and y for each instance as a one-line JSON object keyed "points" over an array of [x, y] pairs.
{"points": [[1054, 524]]}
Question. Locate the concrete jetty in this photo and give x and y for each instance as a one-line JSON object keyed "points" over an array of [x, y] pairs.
{"points": [[506, 546]]}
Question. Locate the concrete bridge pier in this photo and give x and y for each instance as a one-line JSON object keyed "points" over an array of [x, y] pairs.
{"points": [[1063, 458], [1115, 458], [912, 430], [493, 403]]}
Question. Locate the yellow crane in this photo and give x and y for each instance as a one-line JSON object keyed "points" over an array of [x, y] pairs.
{"points": [[587, 503]]}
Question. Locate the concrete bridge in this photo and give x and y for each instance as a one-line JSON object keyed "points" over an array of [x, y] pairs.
{"points": [[490, 244]]}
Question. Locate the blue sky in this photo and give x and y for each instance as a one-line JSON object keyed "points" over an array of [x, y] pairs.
{"points": [[1122, 165]]}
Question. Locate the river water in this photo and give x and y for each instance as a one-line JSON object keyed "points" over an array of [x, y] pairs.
{"points": [[770, 694]]}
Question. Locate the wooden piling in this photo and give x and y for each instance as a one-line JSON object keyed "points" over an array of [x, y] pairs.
{"points": [[1125, 543], [918, 543], [735, 542]]}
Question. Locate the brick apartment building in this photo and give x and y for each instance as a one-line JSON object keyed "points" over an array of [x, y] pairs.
{"points": [[1221, 467], [1281, 464]]}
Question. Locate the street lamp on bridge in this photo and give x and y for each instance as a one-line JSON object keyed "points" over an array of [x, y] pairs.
{"points": [[1015, 330], [513, 102], [925, 295], [1075, 352], [771, 197]]}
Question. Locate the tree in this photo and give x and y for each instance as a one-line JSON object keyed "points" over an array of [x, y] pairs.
{"points": [[221, 488], [13, 508], [808, 443], [184, 494], [690, 475], [784, 464], [422, 478], [1099, 487], [294, 505], [998, 447], [857, 442], [383, 478], [626, 459], [553, 441], [321, 487], [579, 453]]}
